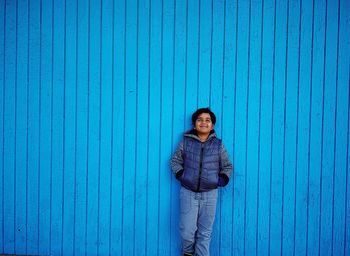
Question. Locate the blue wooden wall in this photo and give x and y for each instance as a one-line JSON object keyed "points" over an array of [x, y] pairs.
{"points": [[94, 97]]}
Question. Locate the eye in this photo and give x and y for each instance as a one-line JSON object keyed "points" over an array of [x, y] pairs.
{"points": [[208, 121]]}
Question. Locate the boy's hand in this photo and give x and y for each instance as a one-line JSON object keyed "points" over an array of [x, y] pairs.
{"points": [[223, 180], [179, 174]]}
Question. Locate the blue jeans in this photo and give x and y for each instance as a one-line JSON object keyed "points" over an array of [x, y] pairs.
{"points": [[197, 214]]}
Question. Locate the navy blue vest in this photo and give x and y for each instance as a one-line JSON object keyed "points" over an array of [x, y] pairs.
{"points": [[201, 164]]}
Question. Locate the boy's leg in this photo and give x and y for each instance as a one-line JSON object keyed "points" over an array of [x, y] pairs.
{"points": [[188, 220], [206, 218]]}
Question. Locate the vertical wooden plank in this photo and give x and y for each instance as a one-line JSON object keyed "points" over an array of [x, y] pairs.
{"points": [[57, 127], [278, 123], [341, 125], [303, 148], [106, 124], [253, 126], [45, 127], [153, 191], [180, 69], [118, 124], [143, 41], [215, 93], [69, 135], [94, 145], [9, 127], [228, 118], [328, 143], [216, 50], [56, 231], [347, 202], [192, 58], [179, 98], [347, 198], [266, 119], [241, 126], [2, 114], [317, 69], [33, 127], [21, 126], [291, 126], [167, 51], [130, 128], [205, 40], [82, 126]]}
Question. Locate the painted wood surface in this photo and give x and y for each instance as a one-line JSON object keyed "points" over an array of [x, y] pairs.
{"points": [[94, 98]]}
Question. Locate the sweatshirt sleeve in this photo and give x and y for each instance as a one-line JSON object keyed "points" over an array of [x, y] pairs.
{"points": [[226, 167], [176, 162]]}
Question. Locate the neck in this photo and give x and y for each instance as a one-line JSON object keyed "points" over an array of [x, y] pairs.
{"points": [[203, 137]]}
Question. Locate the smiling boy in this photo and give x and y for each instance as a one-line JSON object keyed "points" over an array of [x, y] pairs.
{"points": [[202, 165]]}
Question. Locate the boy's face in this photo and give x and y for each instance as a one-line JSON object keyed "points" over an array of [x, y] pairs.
{"points": [[204, 124]]}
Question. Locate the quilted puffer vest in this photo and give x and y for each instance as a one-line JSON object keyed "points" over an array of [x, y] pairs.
{"points": [[201, 164]]}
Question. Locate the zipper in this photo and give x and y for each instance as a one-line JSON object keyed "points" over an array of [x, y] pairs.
{"points": [[200, 167]]}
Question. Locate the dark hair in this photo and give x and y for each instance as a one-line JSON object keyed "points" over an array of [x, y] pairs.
{"points": [[200, 111]]}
